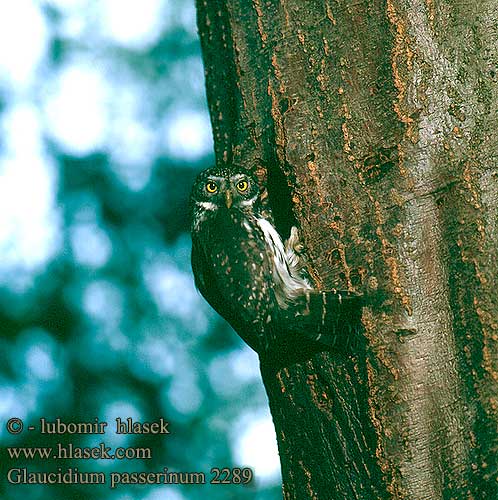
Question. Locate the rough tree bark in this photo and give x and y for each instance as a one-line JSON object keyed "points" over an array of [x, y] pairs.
{"points": [[375, 121]]}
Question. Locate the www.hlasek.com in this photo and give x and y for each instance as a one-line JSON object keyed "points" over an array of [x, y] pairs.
{"points": [[68, 451]]}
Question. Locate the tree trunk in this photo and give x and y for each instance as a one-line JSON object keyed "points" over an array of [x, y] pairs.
{"points": [[375, 124]]}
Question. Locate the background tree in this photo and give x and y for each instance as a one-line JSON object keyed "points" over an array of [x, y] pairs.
{"points": [[374, 123]]}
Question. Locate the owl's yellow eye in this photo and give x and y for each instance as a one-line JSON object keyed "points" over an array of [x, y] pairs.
{"points": [[211, 187], [242, 186]]}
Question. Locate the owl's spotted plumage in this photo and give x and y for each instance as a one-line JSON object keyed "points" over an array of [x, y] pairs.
{"points": [[251, 277]]}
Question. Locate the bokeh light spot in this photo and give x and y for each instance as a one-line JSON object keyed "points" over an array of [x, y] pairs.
{"points": [[133, 24], [23, 42], [29, 226], [188, 134], [255, 445], [90, 244], [76, 107]]}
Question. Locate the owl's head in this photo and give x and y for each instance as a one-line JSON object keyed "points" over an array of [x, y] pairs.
{"points": [[224, 188]]}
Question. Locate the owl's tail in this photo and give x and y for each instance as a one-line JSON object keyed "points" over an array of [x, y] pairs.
{"points": [[318, 321]]}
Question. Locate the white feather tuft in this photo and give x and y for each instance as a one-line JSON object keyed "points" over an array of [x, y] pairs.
{"points": [[285, 264]]}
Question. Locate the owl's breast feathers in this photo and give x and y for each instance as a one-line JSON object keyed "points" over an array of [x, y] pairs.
{"points": [[247, 274]]}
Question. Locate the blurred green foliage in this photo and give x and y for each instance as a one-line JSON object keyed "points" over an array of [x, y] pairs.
{"points": [[104, 130]]}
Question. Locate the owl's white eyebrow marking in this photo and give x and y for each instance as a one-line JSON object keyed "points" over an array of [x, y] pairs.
{"points": [[208, 205], [248, 202], [236, 177]]}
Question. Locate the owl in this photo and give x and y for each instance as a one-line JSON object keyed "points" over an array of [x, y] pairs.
{"points": [[255, 279]]}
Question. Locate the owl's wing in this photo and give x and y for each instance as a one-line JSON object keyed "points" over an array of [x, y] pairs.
{"points": [[225, 292], [205, 279]]}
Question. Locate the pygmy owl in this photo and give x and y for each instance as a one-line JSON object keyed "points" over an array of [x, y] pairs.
{"points": [[254, 279]]}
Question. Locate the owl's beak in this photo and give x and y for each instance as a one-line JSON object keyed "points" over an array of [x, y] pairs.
{"points": [[228, 198]]}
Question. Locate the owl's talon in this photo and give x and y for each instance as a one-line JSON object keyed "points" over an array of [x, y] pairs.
{"points": [[294, 249], [294, 242]]}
